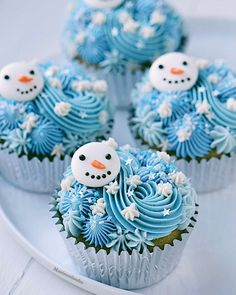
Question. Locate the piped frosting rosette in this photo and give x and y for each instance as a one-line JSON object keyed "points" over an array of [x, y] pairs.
{"points": [[124, 208], [49, 110], [131, 32]]}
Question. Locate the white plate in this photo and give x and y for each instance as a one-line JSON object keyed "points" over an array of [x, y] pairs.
{"points": [[209, 261]]}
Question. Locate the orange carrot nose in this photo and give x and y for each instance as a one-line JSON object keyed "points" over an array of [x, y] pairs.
{"points": [[25, 79], [176, 71], [98, 165]]}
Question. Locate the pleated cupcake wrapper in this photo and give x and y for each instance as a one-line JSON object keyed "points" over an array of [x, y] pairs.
{"points": [[120, 85], [126, 271], [32, 175], [207, 175]]}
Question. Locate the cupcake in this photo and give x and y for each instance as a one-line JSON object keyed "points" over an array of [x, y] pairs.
{"points": [[125, 214], [119, 39], [46, 112], [188, 107]]}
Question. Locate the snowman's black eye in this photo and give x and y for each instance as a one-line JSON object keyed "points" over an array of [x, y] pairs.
{"points": [[6, 77], [32, 72], [161, 67], [82, 157], [108, 156], [185, 63]]}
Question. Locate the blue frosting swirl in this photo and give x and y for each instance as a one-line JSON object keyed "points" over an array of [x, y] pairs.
{"points": [[161, 203], [92, 34], [186, 131], [40, 130]]}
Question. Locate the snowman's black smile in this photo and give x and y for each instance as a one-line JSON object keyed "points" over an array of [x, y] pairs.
{"points": [[32, 89], [92, 176], [176, 81]]}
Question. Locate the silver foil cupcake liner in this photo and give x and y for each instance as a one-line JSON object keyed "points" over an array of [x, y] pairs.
{"points": [[32, 175], [207, 175], [210, 175], [127, 271]]}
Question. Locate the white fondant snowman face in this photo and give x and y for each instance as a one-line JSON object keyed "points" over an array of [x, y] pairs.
{"points": [[103, 4], [173, 72], [20, 81], [95, 164]]}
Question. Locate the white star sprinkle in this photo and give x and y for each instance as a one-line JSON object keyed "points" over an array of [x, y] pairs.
{"points": [[114, 32], [134, 180], [112, 188], [166, 212], [140, 45], [128, 161], [58, 150], [129, 213], [83, 115], [99, 208]]}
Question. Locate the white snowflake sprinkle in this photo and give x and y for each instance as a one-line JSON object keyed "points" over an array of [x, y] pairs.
{"points": [[103, 117], [129, 213], [30, 123], [164, 156], [99, 208], [157, 18], [134, 180], [178, 178], [203, 107], [58, 150], [183, 134], [165, 110], [213, 79], [112, 188], [165, 189], [80, 38], [82, 85], [147, 32], [130, 26], [66, 183], [62, 109], [98, 18], [231, 104]]}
